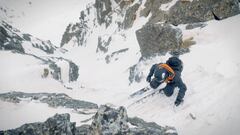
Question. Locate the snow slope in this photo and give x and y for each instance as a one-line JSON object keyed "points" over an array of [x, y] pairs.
{"points": [[211, 105]]}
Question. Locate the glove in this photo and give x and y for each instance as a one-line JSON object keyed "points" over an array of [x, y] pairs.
{"points": [[149, 79], [178, 102]]}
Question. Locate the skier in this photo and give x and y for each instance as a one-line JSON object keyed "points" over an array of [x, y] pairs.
{"points": [[169, 72]]}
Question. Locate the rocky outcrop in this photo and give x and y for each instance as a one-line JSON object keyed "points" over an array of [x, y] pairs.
{"points": [[156, 39], [110, 121], [103, 43], [59, 124], [77, 31], [13, 39], [186, 11], [130, 16], [115, 121], [103, 7], [73, 71], [135, 75], [202, 10], [107, 121], [149, 128], [114, 56], [52, 99], [10, 41]]}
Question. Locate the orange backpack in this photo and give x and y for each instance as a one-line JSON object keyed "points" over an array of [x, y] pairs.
{"points": [[170, 71]]}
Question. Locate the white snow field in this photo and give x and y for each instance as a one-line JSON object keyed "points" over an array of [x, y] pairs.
{"points": [[211, 73]]}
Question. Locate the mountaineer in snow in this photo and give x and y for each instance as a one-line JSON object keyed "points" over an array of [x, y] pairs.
{"points": [[169, 72]]}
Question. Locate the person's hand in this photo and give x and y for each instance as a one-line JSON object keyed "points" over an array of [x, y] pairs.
{"points": [[177, 102], [149, 79]]}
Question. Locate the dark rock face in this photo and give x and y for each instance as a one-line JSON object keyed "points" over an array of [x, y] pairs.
{"points": [[110, 121], [10, 42], [78, 30], [103, 44], [202, 10], [56, 74], [130, 16], [52, 99], [73, 72], [103, 7], [158, 39], [59, 124], [226, 8], [184, 12]]}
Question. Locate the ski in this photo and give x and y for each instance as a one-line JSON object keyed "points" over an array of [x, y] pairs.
{"points": [[147, 96], [140, 92]]}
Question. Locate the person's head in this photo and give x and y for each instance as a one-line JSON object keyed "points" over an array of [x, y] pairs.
{"points": [[174, 62]]}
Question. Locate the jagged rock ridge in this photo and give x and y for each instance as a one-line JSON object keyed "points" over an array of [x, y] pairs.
{"points": [[106, 121]]}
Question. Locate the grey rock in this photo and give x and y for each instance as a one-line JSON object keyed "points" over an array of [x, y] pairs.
{"points": [[202, 10], [9, 40], [155, 39], [130, 16], [113, 56], [59, 124], [56, 71], [52, 99], [78, 30], [135, 75], [225, 8], [83, 130], [109, 121], [195, 25], [149, 128], [12, 39], [153, 7], [103, 7], [27, 37], [103, 44], [73, 71]]}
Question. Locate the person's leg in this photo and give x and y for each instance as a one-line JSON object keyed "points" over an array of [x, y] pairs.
{"points": [[168, 90]]}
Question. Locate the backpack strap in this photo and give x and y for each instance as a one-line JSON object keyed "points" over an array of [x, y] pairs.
{"points": [[170, 71]]}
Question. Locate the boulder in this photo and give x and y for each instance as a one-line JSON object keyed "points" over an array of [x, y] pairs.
{"points": [[59, 124], [157, 39], [202, 10], [110, 121]]}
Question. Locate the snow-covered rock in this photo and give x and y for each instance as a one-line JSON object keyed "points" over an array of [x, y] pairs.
{"points": [[157, 39], [59, 124], [52, 99]]}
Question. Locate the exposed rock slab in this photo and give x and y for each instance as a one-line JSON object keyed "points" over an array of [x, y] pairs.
{"points": [[52, 99]]}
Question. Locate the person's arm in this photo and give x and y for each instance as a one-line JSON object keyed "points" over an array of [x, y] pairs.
{"points": [[151, 72], [182, 89]]}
